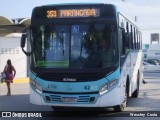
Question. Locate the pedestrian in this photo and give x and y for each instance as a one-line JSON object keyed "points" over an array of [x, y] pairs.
{"points": [[9, 69]]}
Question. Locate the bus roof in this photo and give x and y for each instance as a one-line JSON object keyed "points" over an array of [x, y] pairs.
{"points": [[62, 4]]}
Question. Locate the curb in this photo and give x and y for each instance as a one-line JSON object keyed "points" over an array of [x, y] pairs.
{"points": [[19, 80]]}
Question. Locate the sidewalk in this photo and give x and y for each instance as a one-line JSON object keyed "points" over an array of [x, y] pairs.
{"points": [[19, 86]]}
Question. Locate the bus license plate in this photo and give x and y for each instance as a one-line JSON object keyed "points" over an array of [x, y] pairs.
{"points": [[69, 99]]}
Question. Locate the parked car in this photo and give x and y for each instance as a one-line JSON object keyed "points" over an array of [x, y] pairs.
{"points": [[150, 67], [153, 61]]}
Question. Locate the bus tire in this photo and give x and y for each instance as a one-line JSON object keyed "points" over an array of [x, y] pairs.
{"points": [[136, 92], [127, 91], [118, 108]]}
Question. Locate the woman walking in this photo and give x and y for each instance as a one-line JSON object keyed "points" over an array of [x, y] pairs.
{"points": [[9, 69]]}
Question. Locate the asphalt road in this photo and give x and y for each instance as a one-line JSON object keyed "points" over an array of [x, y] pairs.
{"points": [[151, 75]]}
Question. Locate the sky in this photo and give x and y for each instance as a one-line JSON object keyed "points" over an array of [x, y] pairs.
{"points": [[146, 11]]}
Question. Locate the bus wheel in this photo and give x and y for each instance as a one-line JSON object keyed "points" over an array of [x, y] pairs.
{"points": [[136, 92], [118, 108]]}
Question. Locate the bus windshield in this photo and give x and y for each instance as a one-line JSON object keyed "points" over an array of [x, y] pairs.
{"points": [[91, 45]]}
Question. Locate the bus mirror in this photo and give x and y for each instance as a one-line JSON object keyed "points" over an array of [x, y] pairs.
{"points": [[23, 40], [26, 35]]}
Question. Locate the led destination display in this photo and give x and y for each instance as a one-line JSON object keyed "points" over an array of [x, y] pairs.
{"points": [[70, 13]]}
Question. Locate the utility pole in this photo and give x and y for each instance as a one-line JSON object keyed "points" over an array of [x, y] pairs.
{"points": [[135, 18]]}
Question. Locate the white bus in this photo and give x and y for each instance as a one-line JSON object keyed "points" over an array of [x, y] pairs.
{"points": [[83, 56]]}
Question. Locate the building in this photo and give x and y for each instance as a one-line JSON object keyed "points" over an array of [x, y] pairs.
{"points": [[155, 37], [151, 51], [10, 36]]}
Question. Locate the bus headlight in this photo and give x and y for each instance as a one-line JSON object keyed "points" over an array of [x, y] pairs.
{"points": [[107, 86], [36, 86]]}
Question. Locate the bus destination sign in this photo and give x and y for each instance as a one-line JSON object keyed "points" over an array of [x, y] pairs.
{"points": [[72, 13]]}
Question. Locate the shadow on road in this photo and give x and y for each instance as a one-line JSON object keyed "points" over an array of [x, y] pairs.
{"points": [[86, 113]]}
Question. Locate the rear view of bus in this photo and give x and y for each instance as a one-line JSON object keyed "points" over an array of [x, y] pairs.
{"points": [[75, 58]]}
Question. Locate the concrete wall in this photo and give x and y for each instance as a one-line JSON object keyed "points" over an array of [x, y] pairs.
{"points": [[10, 49]]}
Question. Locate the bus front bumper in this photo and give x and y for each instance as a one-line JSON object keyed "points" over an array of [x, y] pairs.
{"points": [[110, 99]]}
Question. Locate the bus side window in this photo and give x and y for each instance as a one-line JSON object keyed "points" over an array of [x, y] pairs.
{"points": [[132, 42], [121, 42], [122, 47], [124, 41]]}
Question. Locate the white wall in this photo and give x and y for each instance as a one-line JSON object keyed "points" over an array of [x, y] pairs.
{"points": [[10, 49], [152, 51]]}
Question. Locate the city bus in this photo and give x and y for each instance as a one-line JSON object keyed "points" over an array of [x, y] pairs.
{"points": [[82, 56]]}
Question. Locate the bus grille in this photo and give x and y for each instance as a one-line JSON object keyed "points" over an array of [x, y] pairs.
{"points": [[79, 99], [55, 98]]}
